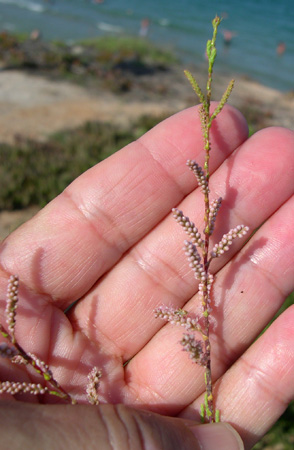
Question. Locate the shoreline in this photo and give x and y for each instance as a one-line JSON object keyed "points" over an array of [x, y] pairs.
{"points": [[47, 87], [33, 105]]}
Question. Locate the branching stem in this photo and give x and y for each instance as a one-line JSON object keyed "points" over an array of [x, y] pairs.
{"points": [[200, 351], [206, 124]]}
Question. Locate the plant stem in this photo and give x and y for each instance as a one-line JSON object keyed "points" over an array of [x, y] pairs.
{"points": [[206, 121], [58, 390]]}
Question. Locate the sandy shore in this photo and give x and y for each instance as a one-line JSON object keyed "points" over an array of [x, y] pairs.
{"points": [[34, 106]]}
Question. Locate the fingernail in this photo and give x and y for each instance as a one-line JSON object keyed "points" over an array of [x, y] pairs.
{"points": [[217, 435]]}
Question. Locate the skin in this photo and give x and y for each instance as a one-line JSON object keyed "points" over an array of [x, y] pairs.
{"points": [[109, 241]]}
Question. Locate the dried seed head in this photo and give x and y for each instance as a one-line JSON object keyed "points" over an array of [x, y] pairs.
{"points": [[189, 227], [12, 387], [93, 386], [177, 317], [195, 260], [199, 174], [213, 210], [11, 304], [7, 351], [195, 348], [227, 240], [41, 366]]}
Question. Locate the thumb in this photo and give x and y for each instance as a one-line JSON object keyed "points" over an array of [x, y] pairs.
{"points": [[217, 435], [107, 427]]}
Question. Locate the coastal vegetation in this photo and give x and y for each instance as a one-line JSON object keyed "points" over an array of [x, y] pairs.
{"points": [[107, 60], [33, 173]]}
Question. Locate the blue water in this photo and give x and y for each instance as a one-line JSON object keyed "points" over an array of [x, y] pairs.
{"points": [[181, 25]]}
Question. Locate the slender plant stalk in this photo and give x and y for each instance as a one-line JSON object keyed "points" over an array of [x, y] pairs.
{"points": [[211, 54], [200, 350]]}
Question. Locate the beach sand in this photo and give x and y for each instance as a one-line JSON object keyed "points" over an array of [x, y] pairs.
{"points": [[36, 106]]}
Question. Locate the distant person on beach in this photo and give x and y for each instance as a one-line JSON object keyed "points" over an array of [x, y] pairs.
{"points": [[228, 36], [35, 35], [144, 30], [281, 48]]}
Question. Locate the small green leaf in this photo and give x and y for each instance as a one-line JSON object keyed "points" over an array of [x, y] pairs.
{"points": [[216, 21], [181, 312], [208, 49], [223, 101], [57, 394], [202, 413], [212, 56], [195, 86]]}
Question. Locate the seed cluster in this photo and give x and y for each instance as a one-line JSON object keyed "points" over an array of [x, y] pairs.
{"points": [[213, 210], [177, 317], [7, 351], [93, 385], [195, 260], [195, 349], [43, 367], [12, 387], [227, 240], [11, 303], [189, 227], [199, 174]]}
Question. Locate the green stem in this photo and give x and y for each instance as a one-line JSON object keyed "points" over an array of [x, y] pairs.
{"points": [[208, 381], [211, 54]]}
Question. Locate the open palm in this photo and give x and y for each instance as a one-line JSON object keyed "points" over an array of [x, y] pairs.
{"points": [[110, 244]]}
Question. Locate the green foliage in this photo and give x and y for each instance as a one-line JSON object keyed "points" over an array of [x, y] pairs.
{"points": [[281, 435], [8, 41], [126, 47], [288, 302], [256, 117], [33, 173], [195, 86], [105, 58]]}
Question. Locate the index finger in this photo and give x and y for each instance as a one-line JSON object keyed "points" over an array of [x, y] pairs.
{"points": [[81, 234]]}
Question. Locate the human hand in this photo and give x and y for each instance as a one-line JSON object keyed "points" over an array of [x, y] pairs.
{"points": [[110, 242]]}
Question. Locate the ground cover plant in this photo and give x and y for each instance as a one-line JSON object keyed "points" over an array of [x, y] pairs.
{"points": [[33, 173], [114, 62]]}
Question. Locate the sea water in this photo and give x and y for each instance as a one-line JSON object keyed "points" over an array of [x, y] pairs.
{"points": [[257, 27]]}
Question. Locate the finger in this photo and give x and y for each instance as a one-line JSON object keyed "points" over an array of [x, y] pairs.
{"points": [[256, 391], [84, 231], [113, 427], [155, 271], [247, 292]]}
